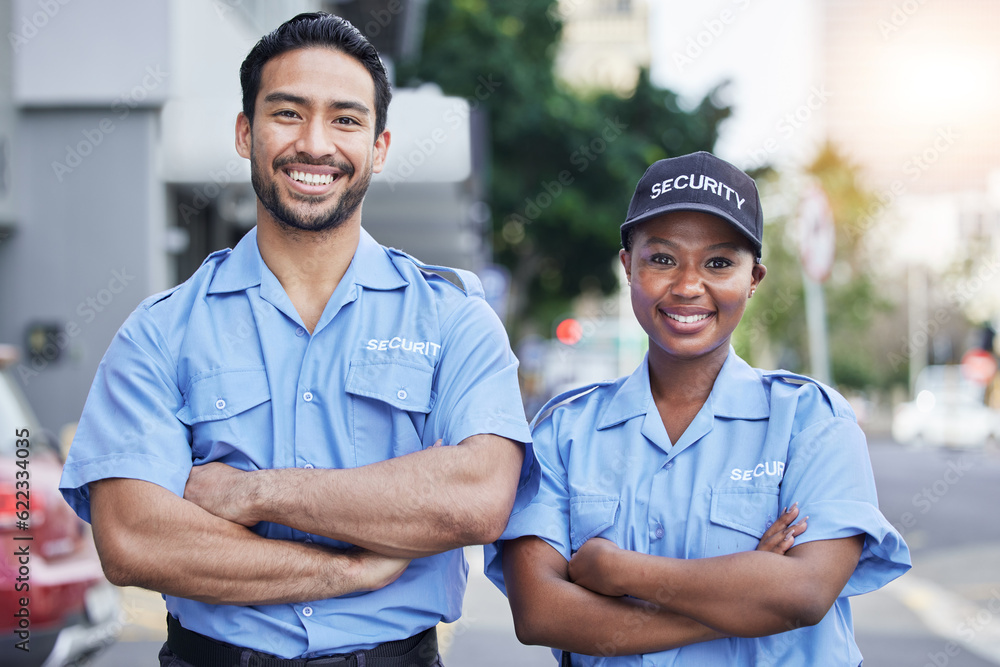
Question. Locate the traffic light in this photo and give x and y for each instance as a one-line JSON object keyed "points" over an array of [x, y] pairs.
{"points": [[569, 331]]}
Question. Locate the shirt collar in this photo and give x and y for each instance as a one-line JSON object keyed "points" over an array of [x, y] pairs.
{"points": [[737, 394], [242, 269]]}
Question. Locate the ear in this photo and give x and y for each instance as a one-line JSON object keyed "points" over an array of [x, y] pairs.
{"points": [[758, 272], [381, 149], [626, 259], [244, 140]]}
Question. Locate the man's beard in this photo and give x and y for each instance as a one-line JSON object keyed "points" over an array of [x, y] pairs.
{"points": [[286, 216]]}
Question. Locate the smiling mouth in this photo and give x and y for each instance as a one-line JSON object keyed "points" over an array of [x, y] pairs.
{"points": [[312, 179], [688, 319]]}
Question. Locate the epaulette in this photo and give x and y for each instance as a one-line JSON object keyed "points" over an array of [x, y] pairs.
{"points": [[467, 281], [840, 406], [566, 398], [217, 253], [154, 299]]}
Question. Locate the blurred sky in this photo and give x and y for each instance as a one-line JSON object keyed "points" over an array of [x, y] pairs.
{"points": [[766, 48]]}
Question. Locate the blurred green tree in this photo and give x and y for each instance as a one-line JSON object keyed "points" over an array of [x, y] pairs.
{"points": [[563, 163]]}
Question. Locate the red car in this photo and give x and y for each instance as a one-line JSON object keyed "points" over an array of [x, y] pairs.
{"points": [[56, 607]]}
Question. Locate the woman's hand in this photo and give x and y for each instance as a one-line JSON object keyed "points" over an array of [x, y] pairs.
{"points": [[593, 566], [780, 537]]}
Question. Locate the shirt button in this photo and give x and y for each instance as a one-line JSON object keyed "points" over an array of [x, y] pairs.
{"points": [[220, 404], [670, 464], [308, 396], [401, 394], [659, 532], [300, 332], [308, 466], [307, 541], [307, 611]]}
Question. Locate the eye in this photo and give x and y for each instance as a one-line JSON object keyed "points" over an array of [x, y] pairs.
{"points": [[286, 113], [660, 258], [719, 263], [346, 120]]}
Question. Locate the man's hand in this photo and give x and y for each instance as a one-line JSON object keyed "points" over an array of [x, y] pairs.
{"points": [[224, 491], [377, 571], [592, 566]]}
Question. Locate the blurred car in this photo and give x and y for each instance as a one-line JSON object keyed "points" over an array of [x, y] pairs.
{"points": [[948, 410], [57, 589]]}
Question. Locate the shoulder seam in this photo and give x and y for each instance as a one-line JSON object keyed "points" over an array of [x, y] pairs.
{"points": [[566, 398]]}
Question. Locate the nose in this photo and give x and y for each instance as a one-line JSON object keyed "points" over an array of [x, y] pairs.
{"points": [[315, 139], [688, 282]]}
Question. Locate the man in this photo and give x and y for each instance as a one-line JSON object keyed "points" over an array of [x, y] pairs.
{"points": [[259, 443]]}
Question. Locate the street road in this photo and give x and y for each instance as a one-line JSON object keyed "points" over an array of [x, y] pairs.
{"points": [[944, 612]]}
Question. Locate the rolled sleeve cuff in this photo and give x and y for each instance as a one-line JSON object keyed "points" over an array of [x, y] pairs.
{"points": [[885, 555], [78, 474], [543, 521]]}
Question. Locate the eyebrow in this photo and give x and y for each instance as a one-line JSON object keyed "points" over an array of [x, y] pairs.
{"points": [[279, 96], [727, 245]]}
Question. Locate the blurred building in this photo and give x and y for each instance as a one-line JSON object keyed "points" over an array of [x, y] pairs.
{"points": [[914, 101], [118, 172], [604, 43]]}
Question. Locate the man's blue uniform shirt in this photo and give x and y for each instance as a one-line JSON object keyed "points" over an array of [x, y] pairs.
{"points": [[221, 368], [762, 441]]}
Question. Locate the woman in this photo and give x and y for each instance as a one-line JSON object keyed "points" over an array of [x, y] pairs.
{"points": [[639, 546]]}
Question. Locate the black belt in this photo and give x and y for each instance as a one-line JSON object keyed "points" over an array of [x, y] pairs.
{"points": [[201, 651]]}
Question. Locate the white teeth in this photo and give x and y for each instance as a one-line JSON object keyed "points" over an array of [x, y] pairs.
{"points": [[687, 319], [311, 179]]}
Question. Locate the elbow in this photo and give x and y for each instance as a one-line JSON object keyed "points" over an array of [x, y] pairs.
{"points": [[530, 631], [808, 609]]}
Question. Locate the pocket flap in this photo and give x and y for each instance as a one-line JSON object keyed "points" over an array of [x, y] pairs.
{"points": [[749, 511], [400, 385], [223, 394], [589, 516]]}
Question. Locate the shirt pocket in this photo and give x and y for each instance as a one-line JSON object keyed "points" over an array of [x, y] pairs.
{"points": [[220, 406], [592, 516], [390, 402], [738, 519]]}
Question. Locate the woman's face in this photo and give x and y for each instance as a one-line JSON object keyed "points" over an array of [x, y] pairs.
{"points": [[691, 275]]}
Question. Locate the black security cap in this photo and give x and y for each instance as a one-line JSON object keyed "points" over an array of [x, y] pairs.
{"points": [[699, 182]]}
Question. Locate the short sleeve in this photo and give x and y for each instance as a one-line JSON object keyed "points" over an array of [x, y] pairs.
{"points": [[129, 426], [829, 474], [477, 387], [547, 513]]}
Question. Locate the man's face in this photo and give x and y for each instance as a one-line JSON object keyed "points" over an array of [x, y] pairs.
{"points": [[312, 146]]}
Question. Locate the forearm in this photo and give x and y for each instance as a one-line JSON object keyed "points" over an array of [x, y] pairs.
{"points": [[551, 611], [575, 619], [748, 594], [148, 537], [427, 502]]}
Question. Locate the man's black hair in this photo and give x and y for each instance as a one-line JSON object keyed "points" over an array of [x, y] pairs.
{"points": [[309, 30]]}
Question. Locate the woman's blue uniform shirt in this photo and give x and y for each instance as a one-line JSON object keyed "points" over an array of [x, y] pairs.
{"points": [[221, 369], [762, 441]]}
